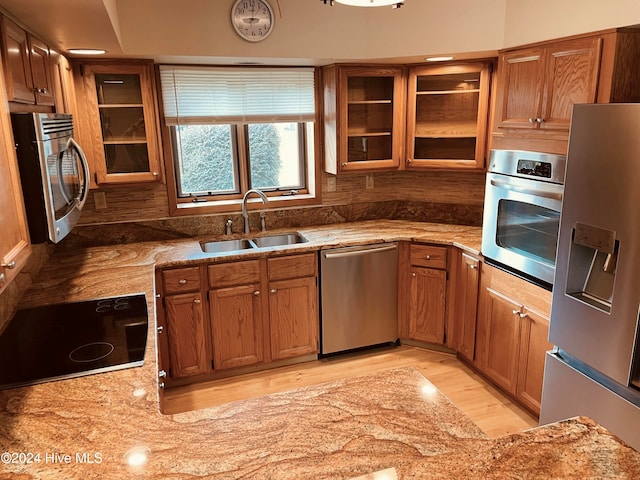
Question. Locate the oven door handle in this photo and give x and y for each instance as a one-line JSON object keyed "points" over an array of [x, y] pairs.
{"points": [[528, 191]]}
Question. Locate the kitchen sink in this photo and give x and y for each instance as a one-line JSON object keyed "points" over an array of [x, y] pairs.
{"points": [[278, 240], [226, 246], [230, 246]]}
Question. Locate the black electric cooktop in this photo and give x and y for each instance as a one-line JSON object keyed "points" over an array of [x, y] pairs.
{"points": [[60, 341]]}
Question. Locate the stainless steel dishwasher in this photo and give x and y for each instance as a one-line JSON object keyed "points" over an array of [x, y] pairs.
{"points": [[359, 292]]}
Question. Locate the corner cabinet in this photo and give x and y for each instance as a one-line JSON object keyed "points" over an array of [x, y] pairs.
{"points": [[364, 113], [121, 121], [538, 85], [467, 284], [447, 110]]}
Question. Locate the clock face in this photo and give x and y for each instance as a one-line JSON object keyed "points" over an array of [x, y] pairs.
{"points": [[252, 19]]}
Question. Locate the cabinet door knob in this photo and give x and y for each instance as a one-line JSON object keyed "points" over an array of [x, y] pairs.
{"points": [[273, 290], [539, 120], [523, 315], [160, 329], [155, 174], [2, 278], [516, 312], [256, 293], [197, 300], [427, 257], [162, 374], [413, 274], [182, 281], [344, 164], [473, 267]]}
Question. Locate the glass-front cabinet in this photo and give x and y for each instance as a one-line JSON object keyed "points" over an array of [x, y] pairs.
{"points": [[123, 123], [364, 118], [447, 109]]}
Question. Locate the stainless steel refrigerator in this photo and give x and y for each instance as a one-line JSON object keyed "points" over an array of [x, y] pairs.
{"points": [[595, 368]]}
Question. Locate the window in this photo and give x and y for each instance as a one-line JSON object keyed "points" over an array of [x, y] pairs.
{"points": [[233, 129]]}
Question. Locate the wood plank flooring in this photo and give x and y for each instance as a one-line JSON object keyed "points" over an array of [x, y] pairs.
{"points": [[492, 411]]}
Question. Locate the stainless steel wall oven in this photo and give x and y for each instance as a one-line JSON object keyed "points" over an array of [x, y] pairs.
{"points": [[523, 199]]}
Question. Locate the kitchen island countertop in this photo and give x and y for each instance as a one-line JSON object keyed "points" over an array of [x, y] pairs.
{"points": [[97, 426]]}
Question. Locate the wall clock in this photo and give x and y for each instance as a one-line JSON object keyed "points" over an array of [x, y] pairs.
{"points": [[252, 19]]}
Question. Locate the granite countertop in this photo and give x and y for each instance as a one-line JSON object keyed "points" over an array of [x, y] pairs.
{"points": [[96, 426]]}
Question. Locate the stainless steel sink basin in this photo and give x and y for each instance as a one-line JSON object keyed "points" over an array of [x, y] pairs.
{"points": [[278, 240], [226, 246], [229, 246]]}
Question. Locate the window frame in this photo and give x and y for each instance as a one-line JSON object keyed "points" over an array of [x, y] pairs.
{"points": [[231, 203]]}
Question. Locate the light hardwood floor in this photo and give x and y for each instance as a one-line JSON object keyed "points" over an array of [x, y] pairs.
{"points": [[492, 411]]}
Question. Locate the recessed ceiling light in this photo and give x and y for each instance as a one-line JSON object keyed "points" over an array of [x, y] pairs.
{"points": [[438, 59], [87, 51]]}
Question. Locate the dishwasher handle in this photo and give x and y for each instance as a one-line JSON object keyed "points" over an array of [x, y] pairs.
{"points": [[362, 251]]}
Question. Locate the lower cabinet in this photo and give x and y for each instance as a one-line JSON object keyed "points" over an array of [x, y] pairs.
{"points": [[467, 284], [423, 292], [219, 317], [512, 331]]}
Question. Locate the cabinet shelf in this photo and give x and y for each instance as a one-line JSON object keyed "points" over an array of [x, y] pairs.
{"points": [[370, 102], [124, 141], [368, 133], [447, 92], [120, 105], [447, 130]]}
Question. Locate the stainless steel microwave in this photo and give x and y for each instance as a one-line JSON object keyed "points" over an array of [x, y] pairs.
{"points": [[53, 171], [523, 200]]}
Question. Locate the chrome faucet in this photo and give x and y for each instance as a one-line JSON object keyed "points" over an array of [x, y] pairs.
{"points": [[245, 214]]}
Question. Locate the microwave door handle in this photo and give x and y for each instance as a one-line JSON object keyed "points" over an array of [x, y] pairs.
{"points": [[63, 187], [528, 191], [84, 191]]}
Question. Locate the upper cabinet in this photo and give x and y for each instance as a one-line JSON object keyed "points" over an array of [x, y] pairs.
{"points": [[447, 113], [538, 85], [14, 240], [121, 119], [27, 66], [364, 112]]}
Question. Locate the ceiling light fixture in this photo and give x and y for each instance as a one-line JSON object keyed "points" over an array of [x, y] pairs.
{"points": [[87, 51], [438, 59], [366, 3]]}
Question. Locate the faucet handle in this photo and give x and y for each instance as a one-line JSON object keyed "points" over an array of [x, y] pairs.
{"points": [[263, 221]]}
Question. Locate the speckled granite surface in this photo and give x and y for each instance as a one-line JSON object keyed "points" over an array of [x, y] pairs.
{"points": [[93, 426]]}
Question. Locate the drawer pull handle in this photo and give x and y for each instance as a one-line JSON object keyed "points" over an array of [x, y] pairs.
{"points": [[197, 300], [524, 315], [182, 281], [516, 312], [10, 265], [427, 257]]}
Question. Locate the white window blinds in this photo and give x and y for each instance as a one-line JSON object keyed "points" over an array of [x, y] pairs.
{"points": [[214, 95]]}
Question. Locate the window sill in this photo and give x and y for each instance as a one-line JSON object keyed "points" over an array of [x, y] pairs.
{"points": [[235, 205]]}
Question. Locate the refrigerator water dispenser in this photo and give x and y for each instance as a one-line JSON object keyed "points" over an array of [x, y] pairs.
{"points": [[592, 265]]}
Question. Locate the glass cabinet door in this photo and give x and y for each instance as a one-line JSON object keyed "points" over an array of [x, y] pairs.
{"points": [[370, 119], [125, 119], [447, 116]]}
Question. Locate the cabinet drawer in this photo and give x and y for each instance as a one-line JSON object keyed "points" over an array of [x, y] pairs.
{"points": [[234, 273], [296, 266], [429, 256], [181, 280]]}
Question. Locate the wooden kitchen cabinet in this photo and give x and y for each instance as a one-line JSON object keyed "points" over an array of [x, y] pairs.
{"points": [[15, 246], [537, 86], [120, 122], [423, 292], [293, 306], [512, 331], [236, 314], [181, 321], [447, 111], [364, 115], [467, 284], [27, 66]]}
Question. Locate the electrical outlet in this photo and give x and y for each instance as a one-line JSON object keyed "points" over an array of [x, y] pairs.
{"points": [[100, 200], [369, 184], [331, 184]]}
